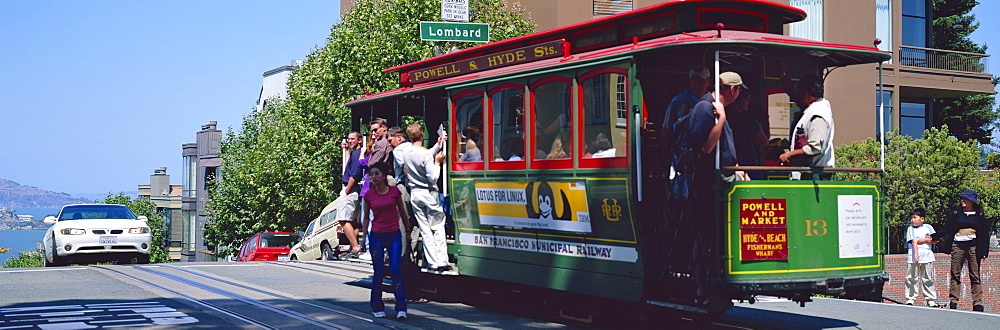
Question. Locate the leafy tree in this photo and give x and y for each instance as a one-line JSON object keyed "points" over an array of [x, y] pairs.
{"points": [[992, 161], [284, 165], [928, 172], [144, 207], [970, 117]]}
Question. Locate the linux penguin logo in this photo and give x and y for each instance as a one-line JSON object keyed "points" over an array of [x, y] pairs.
{"points": [[542, 203]]}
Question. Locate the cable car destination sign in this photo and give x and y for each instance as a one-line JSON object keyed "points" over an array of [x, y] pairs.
{"points": [[505, 58]]}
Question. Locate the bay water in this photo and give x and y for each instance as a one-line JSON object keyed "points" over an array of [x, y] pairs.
{"points": [[17, 241]]}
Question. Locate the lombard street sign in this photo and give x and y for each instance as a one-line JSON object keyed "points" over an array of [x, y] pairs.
{"points": [[462, 32]]}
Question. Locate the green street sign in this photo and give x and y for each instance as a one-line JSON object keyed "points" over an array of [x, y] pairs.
{"points": [[461, 32]]}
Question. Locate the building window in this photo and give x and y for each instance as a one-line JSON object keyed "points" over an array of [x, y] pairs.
{"points": [[886, 97], [812, 27], [883, 25], [189, 226], [190, 175], [913, 118], [915, 23], [165, 212], [211, 174], [611, 7]]}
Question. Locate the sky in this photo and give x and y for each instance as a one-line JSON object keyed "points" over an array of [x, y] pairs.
{"points": [[987, 13], [98, 94]]}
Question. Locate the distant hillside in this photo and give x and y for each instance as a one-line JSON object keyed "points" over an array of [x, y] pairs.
{"points": [[15, 195]]}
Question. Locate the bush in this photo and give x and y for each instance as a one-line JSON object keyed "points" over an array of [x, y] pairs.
{"points": [[24, 259], [928, 172]]}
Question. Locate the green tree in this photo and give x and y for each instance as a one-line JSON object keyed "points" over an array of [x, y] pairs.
{"points": [[144, 207], [284, 165], [970, 117], [928, 172]]}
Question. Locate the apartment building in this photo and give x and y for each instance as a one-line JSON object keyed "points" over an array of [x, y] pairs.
{"points": [[167, 199], [275, 83], [201, 168]]}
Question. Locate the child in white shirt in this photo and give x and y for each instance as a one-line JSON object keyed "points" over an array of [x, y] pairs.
{"points": [[919, 259]]}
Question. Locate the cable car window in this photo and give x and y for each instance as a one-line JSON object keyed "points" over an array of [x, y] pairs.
{"points": [[593, 38], [734, 19], [605, 114], [468, 107], [507, 106], [551, 102], [653, 26]]}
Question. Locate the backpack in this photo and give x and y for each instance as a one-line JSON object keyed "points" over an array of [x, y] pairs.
{"points": [[684, 159]]}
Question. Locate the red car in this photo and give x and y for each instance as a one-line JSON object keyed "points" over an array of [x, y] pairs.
{"points": [[272, 246]]}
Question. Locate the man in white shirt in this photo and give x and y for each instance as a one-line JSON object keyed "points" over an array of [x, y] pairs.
{"points": [[397, 139], [423, 168]]}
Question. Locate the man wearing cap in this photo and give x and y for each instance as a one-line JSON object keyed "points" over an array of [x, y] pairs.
{"points": [[970, 245], [709, 130], [816, 124], [682, 103]]}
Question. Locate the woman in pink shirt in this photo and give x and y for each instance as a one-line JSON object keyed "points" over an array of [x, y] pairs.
{"points": [[386, 203]]}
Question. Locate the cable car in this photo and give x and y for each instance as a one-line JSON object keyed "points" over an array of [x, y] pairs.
{"points": [[557, 177]]}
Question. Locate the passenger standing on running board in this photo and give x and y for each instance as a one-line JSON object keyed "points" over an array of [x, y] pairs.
{"points": [[347, 211], [423, 168]]}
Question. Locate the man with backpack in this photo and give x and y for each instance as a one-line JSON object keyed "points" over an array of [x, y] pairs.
{"points": [[698, 134]]}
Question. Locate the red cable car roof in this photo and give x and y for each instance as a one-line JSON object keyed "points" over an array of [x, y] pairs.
{"points": [[776, 16], [825, 54]]}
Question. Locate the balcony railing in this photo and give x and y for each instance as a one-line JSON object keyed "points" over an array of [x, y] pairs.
{"points": [[943, 59]]}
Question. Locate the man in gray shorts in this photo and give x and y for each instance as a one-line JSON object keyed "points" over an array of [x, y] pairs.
{"points": [[347, 211]]}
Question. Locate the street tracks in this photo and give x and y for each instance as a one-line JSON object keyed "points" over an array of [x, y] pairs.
{"points": [[243, 304]]}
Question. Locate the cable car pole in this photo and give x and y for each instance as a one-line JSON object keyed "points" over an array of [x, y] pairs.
{"points": [[881, 113], [717, 96]]}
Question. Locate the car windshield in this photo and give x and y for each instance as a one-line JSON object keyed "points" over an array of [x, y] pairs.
{"points": [[81, 212], [278, 240]]}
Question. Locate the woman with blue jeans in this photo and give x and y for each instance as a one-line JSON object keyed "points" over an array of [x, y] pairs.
{"points": [[385, 234]]}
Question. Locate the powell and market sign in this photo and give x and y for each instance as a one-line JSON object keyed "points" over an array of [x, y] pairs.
{"points": [[464, 32], [510, 57]]}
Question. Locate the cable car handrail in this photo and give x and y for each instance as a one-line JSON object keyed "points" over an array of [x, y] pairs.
{"points": [[803, 169]]}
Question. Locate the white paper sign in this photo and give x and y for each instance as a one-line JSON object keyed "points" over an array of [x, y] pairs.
{"points": [[855, 226], [455, 10]]}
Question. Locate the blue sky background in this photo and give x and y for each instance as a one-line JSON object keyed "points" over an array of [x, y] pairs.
{"points": [[98, 94], [987, 13]]}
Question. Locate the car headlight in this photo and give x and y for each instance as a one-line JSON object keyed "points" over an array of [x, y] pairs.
{"points": [[140, 230], [72, 231]]}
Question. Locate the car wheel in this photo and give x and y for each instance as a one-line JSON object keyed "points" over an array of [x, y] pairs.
{"points": [[55, 255], [142, 259], [327, 252], [293, 258]]}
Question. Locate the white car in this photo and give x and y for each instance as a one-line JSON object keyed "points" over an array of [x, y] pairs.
{"points": [[321, 240], [95, 232]]}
